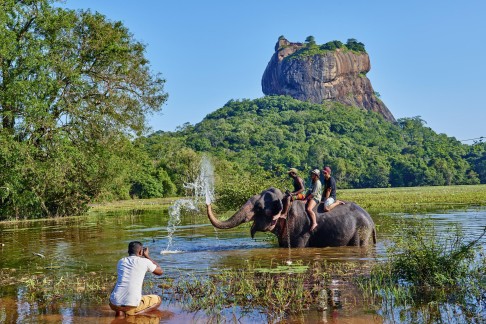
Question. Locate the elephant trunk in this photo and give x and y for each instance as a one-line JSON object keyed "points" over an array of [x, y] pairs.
{"points": [[245, 214]]}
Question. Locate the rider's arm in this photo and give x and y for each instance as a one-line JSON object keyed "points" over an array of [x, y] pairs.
{"points": [[300, 189]]}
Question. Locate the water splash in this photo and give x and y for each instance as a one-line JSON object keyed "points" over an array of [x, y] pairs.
{"points": [[202, 187]]}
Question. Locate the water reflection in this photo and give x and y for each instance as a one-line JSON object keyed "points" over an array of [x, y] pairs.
{"points": [[96, 242]]}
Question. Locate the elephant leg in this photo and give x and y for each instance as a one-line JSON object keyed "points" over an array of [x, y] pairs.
{"points": [[367, 237], [355, 240], [302, 241]]}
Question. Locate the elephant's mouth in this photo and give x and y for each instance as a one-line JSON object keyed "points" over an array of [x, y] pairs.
{"points": [[273, 223], [269, 228]]}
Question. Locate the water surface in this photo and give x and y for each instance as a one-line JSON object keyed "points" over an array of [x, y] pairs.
{"points": [[94, 243]]}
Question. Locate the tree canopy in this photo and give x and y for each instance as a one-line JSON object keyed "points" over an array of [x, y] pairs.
{"points": [[74, 87]]}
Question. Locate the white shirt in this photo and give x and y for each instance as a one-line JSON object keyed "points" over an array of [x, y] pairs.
{"points": [[131, 272]]}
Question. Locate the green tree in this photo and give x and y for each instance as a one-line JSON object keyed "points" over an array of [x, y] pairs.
{"points": [[353, 45], [310, 40], [73, 87]]}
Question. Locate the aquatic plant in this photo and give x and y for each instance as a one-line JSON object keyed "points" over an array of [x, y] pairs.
{"points": [[277, 290], [429, 274], [67, 287]]}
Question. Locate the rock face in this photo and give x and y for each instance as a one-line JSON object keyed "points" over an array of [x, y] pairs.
{"points": [[337, 75]]}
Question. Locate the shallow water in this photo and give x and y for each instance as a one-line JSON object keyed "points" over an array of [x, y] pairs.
{"points": [[94, 243]]}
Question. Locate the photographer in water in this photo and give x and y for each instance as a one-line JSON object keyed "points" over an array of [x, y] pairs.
{"points": [[126, 297]]}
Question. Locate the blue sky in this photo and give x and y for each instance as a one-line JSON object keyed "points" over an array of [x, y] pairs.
{"points": [[428, 58]]}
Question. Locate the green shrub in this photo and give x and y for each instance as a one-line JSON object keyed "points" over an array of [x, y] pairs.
{"points": [[426, 259]]}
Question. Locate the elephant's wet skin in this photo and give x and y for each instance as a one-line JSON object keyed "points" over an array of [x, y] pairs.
{"points": [[345, 225]]}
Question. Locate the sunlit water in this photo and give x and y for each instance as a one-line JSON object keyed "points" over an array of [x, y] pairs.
{"points": [[96, 242]]}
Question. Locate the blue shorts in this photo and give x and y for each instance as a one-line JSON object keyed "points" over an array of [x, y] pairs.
{"points": [[329, 201]]}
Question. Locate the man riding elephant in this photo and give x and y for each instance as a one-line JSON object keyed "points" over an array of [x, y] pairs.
{"points": [[329, 193], [298, 183]]}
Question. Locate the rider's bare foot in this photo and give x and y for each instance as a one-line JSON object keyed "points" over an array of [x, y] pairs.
{"points": [[313, 227], [342, 202]]}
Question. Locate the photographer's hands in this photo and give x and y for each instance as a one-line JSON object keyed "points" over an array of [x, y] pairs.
{"points": [[145, 254]]}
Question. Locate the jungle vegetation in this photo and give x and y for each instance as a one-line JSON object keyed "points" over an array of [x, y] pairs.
{"points": [[75, 93]]}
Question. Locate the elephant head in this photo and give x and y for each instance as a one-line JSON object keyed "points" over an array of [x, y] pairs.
{"points": [[263, 209]]}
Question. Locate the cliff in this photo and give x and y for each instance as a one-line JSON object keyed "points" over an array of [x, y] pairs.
{"points": [[338, 75]]}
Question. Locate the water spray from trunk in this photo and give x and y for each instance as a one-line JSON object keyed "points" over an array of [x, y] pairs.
{"points": [[201, 188]]}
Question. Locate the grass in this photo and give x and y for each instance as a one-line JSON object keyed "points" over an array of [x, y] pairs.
{"points": [[132, 204], [46, 288], [416, 199]]}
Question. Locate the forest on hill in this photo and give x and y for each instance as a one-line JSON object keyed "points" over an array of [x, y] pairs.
{"points": [[256, 141]]}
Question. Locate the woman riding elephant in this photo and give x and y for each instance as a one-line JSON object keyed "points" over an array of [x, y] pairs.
{"points": [[313, 197]]}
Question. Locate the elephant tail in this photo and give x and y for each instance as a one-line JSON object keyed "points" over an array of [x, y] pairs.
{"points": [[374, 235]]}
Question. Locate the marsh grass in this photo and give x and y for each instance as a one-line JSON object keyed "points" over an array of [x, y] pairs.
{"points": [[416, 199], [47, 288], [132, 204], [430, 275], [277, 290]]}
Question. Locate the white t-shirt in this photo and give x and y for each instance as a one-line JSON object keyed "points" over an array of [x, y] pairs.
{"points": [[131, 272]]}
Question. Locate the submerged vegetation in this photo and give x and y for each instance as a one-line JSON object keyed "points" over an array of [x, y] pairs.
{"points": [[424, 274]]}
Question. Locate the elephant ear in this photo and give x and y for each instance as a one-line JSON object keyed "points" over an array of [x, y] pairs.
{"points": [[273, 203]]}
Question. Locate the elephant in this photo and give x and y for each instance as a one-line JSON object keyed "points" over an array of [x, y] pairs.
{"points": [[345, 225]]}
